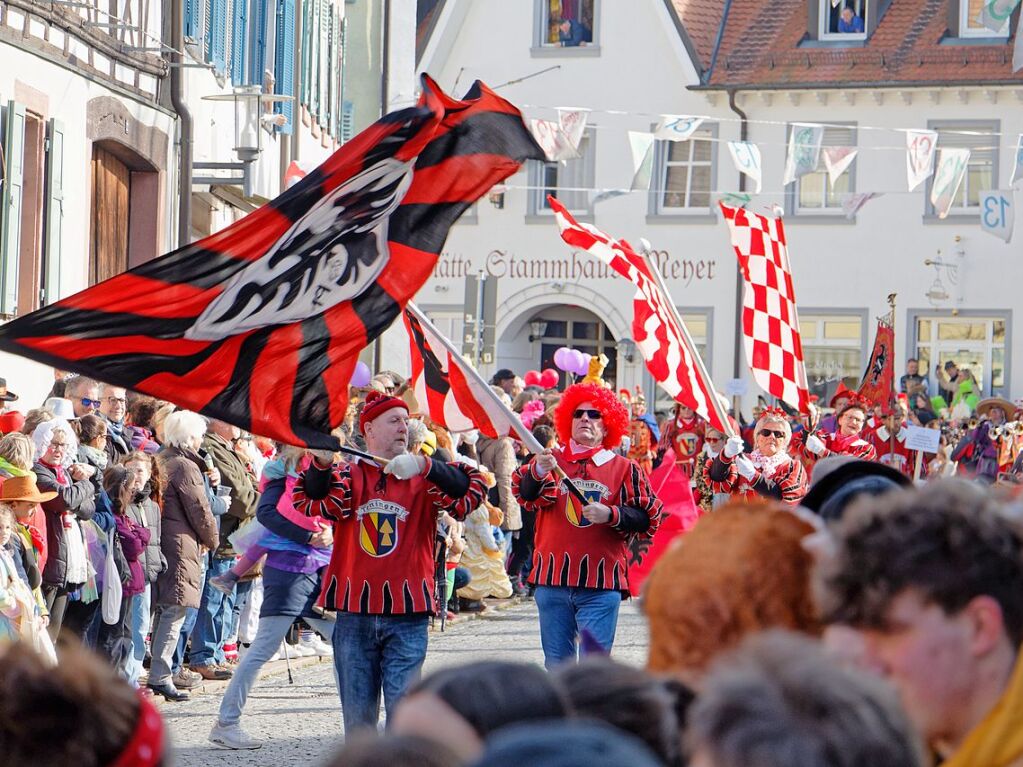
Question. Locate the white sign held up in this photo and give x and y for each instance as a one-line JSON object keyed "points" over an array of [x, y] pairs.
{"points": [[925, 440]]}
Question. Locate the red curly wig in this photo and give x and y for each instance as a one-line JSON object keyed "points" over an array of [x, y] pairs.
{"points": [[613, 413]]}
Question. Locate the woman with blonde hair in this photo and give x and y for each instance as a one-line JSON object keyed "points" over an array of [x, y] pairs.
{"points": [[768, 471]]}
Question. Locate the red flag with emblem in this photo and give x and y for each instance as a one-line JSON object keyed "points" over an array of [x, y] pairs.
{"points": [[260, 324], [878, 384]]}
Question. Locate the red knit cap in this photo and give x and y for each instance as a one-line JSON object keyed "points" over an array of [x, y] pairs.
{"points": [[376, 405]]}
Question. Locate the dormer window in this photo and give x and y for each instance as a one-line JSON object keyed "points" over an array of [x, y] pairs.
{"points": [[970, 24], [842, 20]]}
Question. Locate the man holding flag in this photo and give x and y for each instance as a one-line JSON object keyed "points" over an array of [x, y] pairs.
{"points": [[580, 564], [381, 571]]}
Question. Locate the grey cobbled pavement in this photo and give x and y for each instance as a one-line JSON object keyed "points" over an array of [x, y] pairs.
{"points": [[300, 723]]}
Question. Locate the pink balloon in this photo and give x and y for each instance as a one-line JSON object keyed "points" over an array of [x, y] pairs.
{"points": [[361, 374]]}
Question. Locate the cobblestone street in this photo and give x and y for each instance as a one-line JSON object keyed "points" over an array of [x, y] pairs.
{"points": [[301, 723]]}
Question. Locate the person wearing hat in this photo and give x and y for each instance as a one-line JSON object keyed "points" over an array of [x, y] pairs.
{"points": [[582, 551], [893, 452], [6, 396], [978, 452], [846, 440], [839, 400], [643, 434], [380, 578], [683, 433], [23, 496]]}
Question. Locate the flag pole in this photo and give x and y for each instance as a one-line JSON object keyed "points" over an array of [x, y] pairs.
{"points": [[891, 394], [701, 369], [531, 442]]}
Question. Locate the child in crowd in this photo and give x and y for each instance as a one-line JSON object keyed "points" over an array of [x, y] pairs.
{"points": [[253, 541], [19, 613]]}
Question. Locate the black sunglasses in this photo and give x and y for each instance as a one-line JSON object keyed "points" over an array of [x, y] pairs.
{"points": [[773, 433], [594, 415]]}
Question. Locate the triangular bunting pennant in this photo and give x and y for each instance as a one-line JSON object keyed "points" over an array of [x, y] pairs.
{"points": [[642, 146], [555, 144], [920, 146], [746, 157], [573, 125], [837, 160], [677, 127], [804, 151], [952, 165]]}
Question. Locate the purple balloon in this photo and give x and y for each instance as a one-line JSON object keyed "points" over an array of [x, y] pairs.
{"points": [[361, 374], [561, 358], [584, 365], [573, 359]]}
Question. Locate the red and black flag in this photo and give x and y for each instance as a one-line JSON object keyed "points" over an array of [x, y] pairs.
{"points": [[260, 324], [447, 390], [878, 384]]}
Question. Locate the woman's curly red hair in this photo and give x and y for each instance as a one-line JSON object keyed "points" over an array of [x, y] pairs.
{"points": [[613, 413]]}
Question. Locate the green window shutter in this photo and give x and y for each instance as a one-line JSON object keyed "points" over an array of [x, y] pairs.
{"points": [[54, 222], [10, 216], [307, 49], [347, 120], [323, 77]]}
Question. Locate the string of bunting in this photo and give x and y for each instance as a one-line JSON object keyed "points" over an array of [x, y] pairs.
{"points": [[805, 150]]}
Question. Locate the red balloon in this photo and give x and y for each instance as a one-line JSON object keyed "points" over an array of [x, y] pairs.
{"points": [[549, 378], [532, 378]]}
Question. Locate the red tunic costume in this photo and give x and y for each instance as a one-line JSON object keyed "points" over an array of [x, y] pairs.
{"points": [[641, 444], [384, 531], [686, 439], [783, 479], [570, 550], [838, 444], [901, 457]]}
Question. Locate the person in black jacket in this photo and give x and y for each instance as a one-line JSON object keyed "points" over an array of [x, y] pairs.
{"points": [[67, 563]]}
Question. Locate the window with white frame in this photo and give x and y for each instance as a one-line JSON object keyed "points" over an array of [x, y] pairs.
{"points": [[685, 173], [970, 24], [814, 192], [565, 23], [570, 181], [832, 351], [981, 138], [843, 19]]}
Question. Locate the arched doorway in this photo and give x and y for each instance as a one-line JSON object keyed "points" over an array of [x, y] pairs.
{"points": [[576, 328], [123, 225]]}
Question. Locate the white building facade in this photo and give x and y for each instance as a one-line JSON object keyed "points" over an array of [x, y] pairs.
{"points": [[646, 59]]}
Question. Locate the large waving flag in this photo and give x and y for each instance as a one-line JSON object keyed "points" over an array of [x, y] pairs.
{"points": [[774, 348], [260, 325], [658, 331], [448, 389]]}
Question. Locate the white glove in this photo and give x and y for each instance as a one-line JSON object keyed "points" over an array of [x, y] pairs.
{"points": [[814, 445], [405, 466], [734, 446], [745, 467]]}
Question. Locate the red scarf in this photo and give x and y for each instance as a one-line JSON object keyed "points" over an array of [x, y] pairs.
{"points": [[840, 442], [578, 453]]}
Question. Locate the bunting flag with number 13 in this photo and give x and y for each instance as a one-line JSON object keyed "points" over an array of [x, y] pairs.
{"points": [[997, 209]]}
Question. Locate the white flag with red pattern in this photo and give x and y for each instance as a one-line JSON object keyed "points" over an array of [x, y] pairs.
{"points": [[774, 348], [670, 357], [447, 389]]}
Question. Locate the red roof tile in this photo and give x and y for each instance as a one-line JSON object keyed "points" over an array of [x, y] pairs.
{"points": [[761, 48]]}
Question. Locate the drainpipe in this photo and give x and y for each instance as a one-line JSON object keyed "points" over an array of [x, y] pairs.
{"points": [[177, 38], [739, 344]]}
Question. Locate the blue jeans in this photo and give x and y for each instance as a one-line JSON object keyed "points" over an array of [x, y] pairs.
{"points": [[271, 632], [216, 613], [565, 612], [140, 621], [374, 652]]}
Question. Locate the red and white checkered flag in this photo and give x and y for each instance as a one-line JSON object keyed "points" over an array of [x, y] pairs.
{"points": [[658, 331], [774, 349]]}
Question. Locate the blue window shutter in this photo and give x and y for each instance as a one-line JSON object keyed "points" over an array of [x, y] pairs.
{"points": [[239, 41], [216, 35], [10, 216], [257, 52], [54, 220], [347, 120], [307, 42], [284, 66], [192, 16]]}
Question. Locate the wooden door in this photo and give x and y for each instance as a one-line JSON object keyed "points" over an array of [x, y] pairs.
{"points": [[111, 191]]}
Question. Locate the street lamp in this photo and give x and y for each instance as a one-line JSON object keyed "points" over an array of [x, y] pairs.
{"points": [[249, 101], [627, 348], [538, 328]]}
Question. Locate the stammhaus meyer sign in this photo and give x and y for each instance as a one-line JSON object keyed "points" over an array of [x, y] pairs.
{"points": [[573, 267]]}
